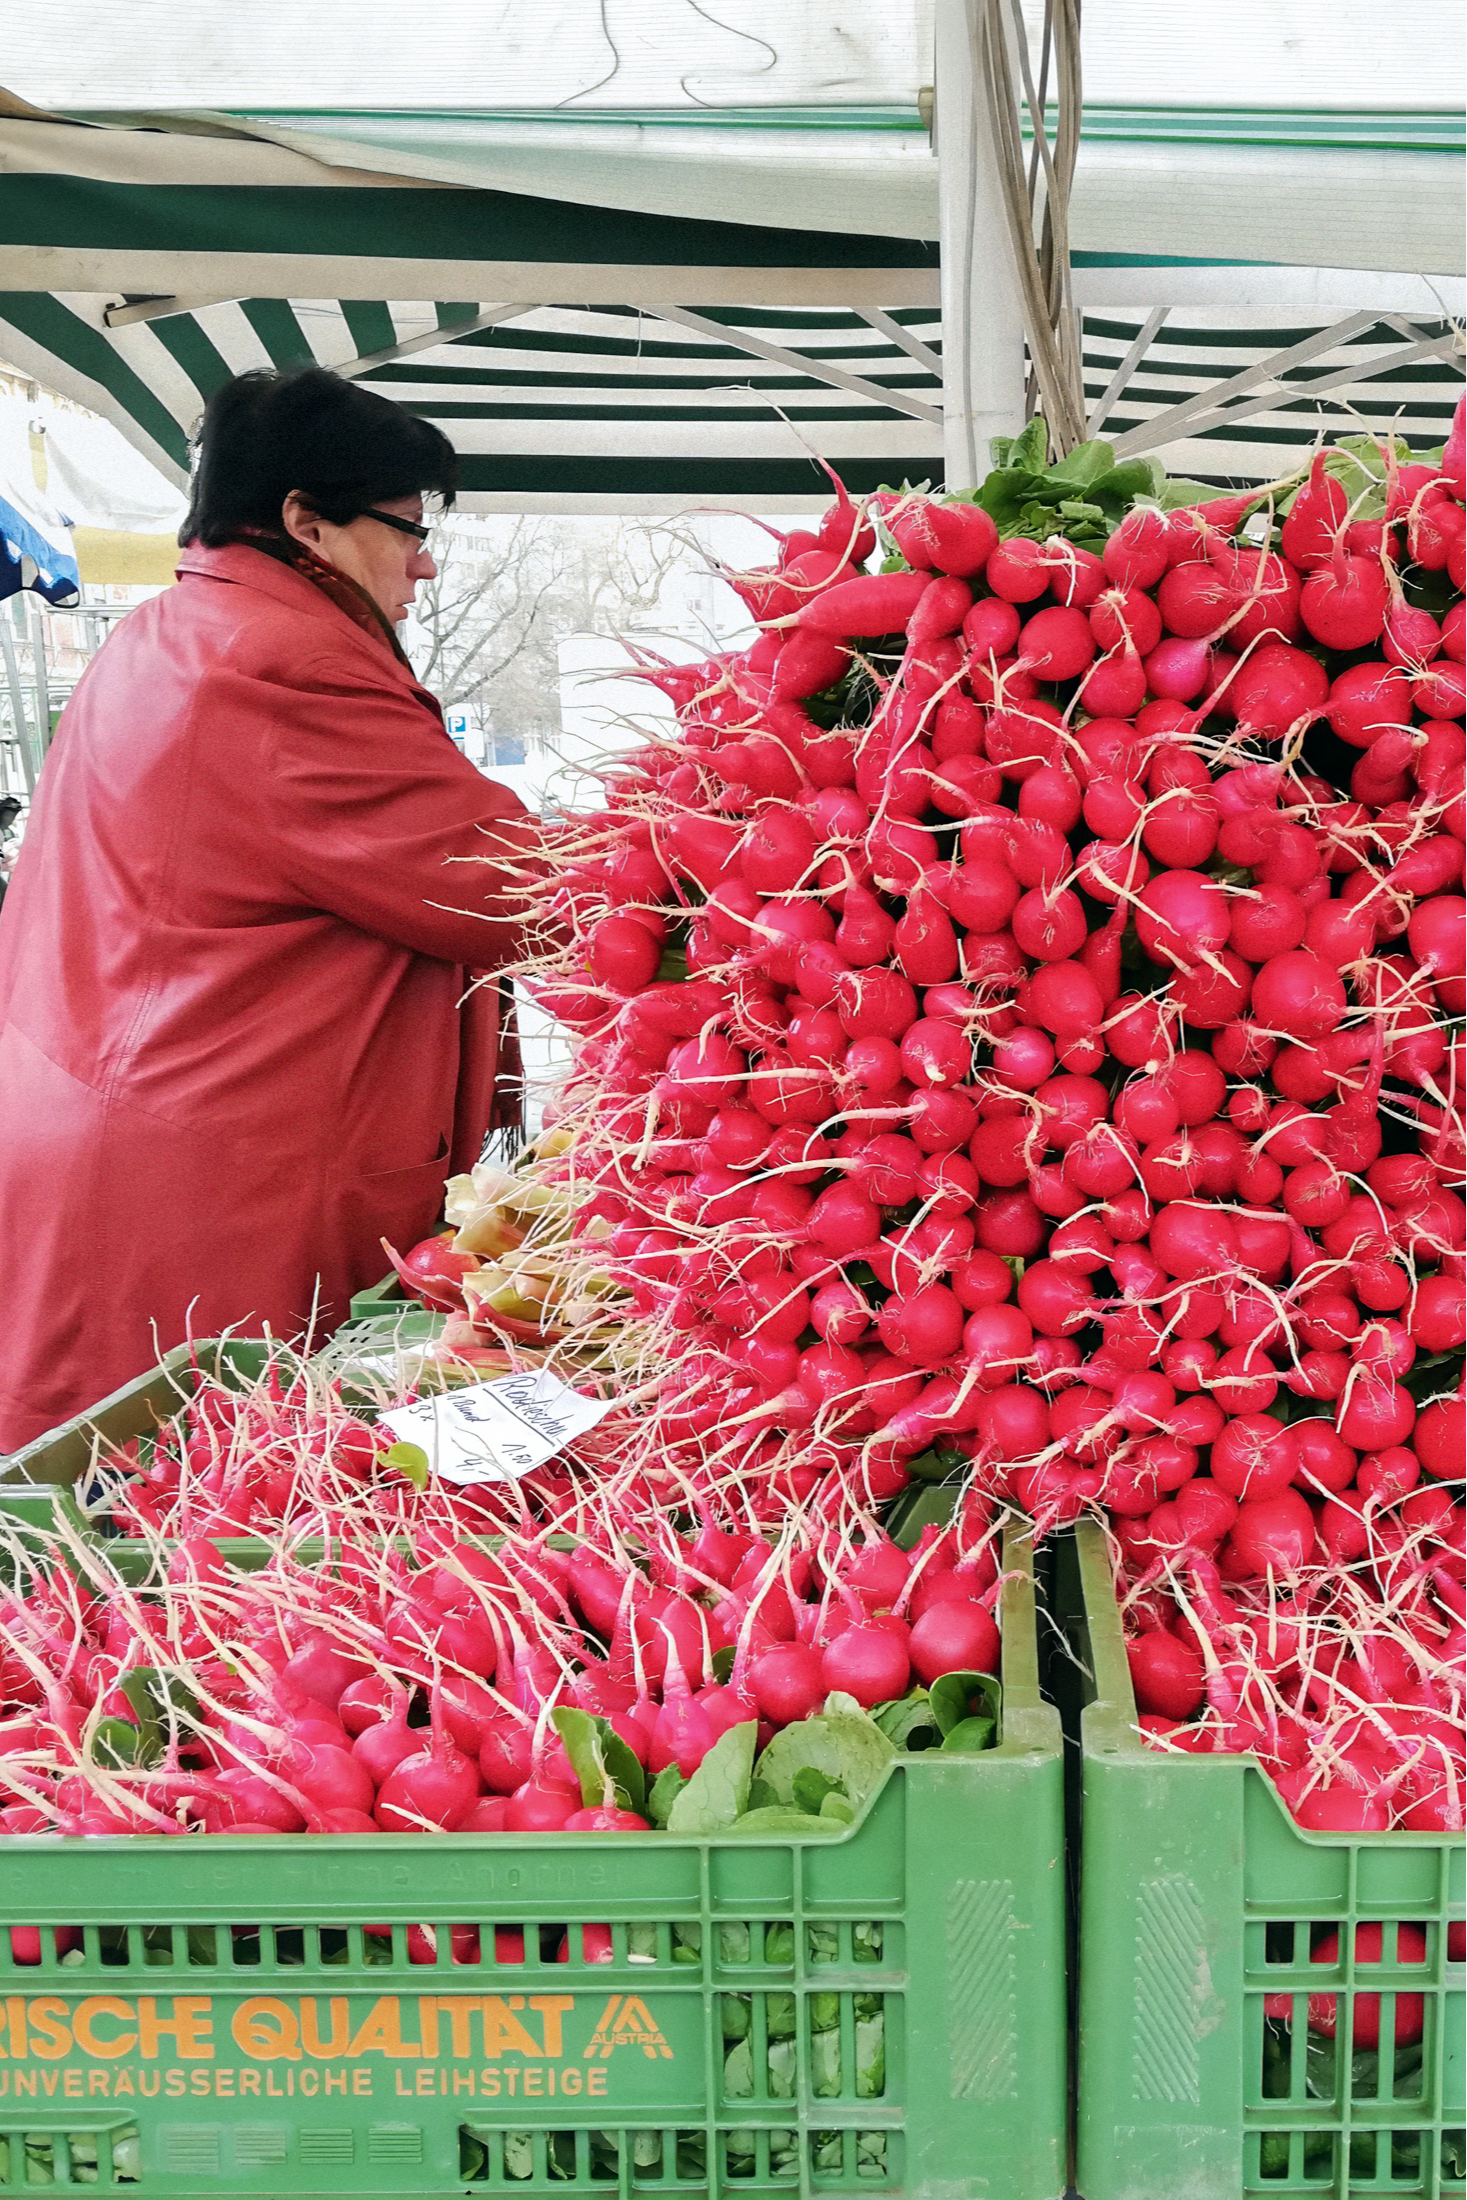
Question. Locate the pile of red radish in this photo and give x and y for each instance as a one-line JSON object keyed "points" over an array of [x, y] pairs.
{"points": [[1015, 1039], [371, 1690]]}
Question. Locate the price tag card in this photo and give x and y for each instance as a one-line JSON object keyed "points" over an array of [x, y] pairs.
{"points": [[495, 1432]]}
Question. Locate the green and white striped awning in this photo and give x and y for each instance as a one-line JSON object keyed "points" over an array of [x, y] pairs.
{"points": [[588, 356]]}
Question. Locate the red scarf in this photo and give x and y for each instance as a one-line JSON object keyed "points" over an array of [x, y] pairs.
{"points": [[348, 595]]}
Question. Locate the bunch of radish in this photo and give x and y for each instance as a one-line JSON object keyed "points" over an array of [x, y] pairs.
{"points": [[285, 1452], [435, 1685], [497, 1263], [1019, 1039]]}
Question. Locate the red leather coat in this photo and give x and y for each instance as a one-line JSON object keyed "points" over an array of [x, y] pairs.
{"points": [[235, 1049]]}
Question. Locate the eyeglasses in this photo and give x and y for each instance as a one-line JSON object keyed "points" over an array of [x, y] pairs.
{"points": [[403, 526]]}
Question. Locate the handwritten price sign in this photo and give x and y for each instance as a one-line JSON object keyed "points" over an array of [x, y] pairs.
{"points": [[495, 1432]]}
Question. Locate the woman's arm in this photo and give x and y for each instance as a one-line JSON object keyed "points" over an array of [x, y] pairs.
{"points": [[381, 821]]}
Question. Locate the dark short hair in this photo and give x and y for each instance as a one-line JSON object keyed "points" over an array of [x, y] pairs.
{"points": [[344, 448]]}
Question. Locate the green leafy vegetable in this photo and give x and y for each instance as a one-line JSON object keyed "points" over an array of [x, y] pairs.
{"points": [[719, 1790], [117, 1742], [871, 2056], [781, 2066], [956, 1697], [808, 1744], [843, 1746], [969, 1736], [597, 1752], [411, 1460], [738, 2072], [663, 1793], [809, 1789], [908, 1722], [687, 1943], [733, 1943], [782, 1819], [825, 2064]]}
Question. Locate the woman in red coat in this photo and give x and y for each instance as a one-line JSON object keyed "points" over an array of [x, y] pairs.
{"points": [[239, 1038]]}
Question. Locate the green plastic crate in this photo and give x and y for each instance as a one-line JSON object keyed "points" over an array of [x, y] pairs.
{"points": [[66, 1453], [33, 1504], [222, 2029], [1197, 1897], [386, 1297]]}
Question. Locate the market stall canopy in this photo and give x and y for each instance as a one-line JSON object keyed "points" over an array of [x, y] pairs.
{"points": [[1273, 123], [477, 221]]}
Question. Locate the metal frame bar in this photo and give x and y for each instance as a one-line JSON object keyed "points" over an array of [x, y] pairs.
{"points": [[1239, 385], [158, 309], [1152, 433], [893, 331], [429, 338], [1444, 347], [818, 369], [1105, 403]]}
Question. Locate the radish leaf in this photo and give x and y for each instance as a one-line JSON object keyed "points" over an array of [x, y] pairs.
{"points": [[719, 1790], [953, 1701], [663, 1793]]}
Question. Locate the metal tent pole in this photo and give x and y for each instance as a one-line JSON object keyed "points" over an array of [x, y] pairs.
{"points": [[982, 307], [17, 700]]}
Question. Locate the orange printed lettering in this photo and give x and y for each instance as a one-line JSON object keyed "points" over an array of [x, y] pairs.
{"points": [[489, 2081], [224, 2084], [311, 2039], [71, 2084], [381, 2031], [99, 2081], [463, 2081], [361, 2083], [249, 2081], [25, 2082], [458, 2008], [15, 2015], [50, 2031], [173, 2084], [147, 2083], [570, 2081], [266, 2029], [532, 2081], [50, 2079], [552, 2007], [426, 2082], [189, 2025], [101, 2005], [335, 2081], [503, 2030], [314, 2087], [596, 2080]]}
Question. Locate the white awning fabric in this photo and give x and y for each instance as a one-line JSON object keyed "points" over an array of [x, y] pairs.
{"points": [[635, 253]]}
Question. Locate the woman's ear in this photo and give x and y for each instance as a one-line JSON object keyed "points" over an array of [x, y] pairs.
{"points": [[302, 521]]}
